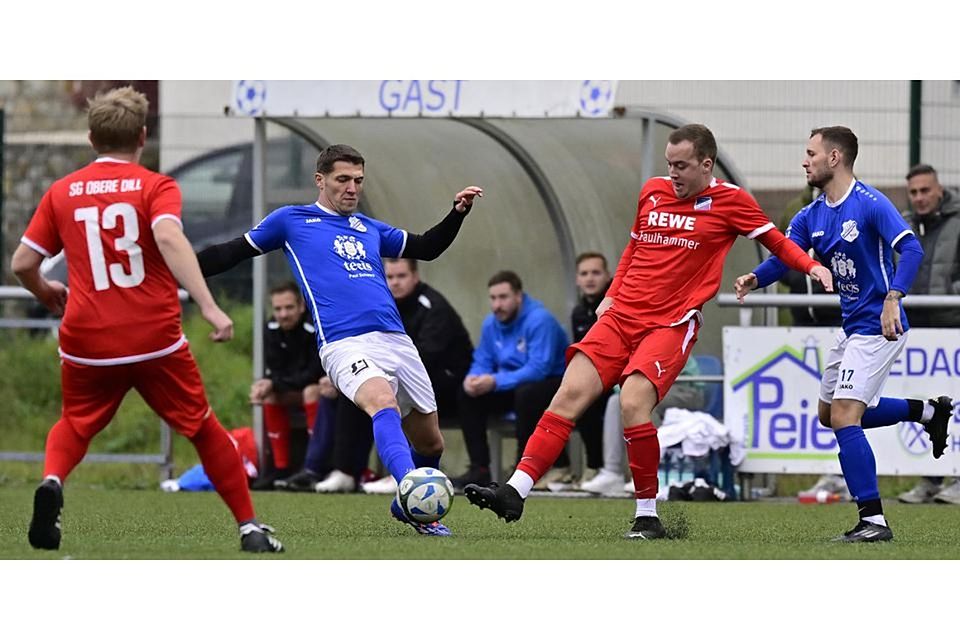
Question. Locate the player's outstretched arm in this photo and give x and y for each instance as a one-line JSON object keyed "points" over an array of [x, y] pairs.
{"points": [[438, 238], [26, 265], [182, 262], [218, 258]]}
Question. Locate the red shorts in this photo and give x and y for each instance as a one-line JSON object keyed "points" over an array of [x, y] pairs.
{"points": [[618, 347], [170, 385]]}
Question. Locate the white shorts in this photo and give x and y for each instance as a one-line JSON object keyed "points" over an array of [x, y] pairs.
{"points": [[352, 361], [858, 366]]}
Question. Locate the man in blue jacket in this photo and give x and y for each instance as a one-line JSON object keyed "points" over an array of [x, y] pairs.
{"points": [[517, 367]]}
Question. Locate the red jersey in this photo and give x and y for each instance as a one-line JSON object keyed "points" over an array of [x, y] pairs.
{"points": [[674, 261], [123, 305]]}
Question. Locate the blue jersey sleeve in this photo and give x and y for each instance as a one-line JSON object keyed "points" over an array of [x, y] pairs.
{"points": [[392, 240], [772, 269], [270, 233], [890, 224]]}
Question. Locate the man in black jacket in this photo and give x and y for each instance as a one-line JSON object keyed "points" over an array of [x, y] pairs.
{"points": [[291, 375]]}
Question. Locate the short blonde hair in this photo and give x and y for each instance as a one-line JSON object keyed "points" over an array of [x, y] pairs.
{"points": [[116, 118]]}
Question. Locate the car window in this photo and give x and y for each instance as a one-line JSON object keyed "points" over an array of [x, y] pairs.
{"points": [[207, 187]]}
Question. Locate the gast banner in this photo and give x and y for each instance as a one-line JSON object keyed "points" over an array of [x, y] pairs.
{"points": [[424, 98], [772, 390]]}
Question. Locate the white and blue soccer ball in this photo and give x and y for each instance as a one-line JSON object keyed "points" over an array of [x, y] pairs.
{"points": [[425, 494], [250, 96], [596, 97]]}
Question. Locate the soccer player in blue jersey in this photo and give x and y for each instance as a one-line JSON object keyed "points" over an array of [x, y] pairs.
{"points": [[856, 228], [335, 253]]}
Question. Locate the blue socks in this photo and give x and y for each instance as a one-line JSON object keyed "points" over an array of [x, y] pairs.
{"points": [[392, 445], [424, 461], [888, 411], [858, 464]]}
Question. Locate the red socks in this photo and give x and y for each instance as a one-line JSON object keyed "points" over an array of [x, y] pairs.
{"points": [[222, 464], [643, 452], [310, 413], [276, 420], [545, 445], [64, 451]]}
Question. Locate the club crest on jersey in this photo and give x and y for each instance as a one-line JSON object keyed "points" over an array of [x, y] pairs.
{"points": [[356, 224], [849, 232], [703, 203], [349, 248]]}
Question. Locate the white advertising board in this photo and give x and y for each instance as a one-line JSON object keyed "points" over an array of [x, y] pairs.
{"points": [[423, 98], [772, 389]]}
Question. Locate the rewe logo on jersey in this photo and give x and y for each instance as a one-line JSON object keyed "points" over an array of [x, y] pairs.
{"points": [[670, 220], [356, 224]]}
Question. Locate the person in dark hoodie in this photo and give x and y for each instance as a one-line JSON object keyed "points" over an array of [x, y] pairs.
{"points": [[933, 217], [517, 367]]}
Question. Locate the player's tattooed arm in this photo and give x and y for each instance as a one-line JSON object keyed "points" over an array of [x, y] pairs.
{"points": [[890, 316]]}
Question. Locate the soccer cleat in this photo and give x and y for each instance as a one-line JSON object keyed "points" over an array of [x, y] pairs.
{"points": [[937, 427], [646, 528], [258, 538], [336, 482], [423, 528], [922, 493], [303, 480], [503, 500], [45, 525], [866, 532]]}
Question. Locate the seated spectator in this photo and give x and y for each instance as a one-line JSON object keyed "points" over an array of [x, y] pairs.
{"points": [[517, 367], [592, 280], [292, 369]]}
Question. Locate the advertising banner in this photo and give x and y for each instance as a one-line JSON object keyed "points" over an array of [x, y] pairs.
{"points": [[424, 98], [772, 388]]}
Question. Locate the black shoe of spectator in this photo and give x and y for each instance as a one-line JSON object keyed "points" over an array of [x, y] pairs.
{"points": [[265, 482], [502, 500], [476, 474], [303, 480], [937, 427]]}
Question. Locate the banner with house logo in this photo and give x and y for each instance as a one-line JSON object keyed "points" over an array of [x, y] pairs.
{"points": [[771, 391]]}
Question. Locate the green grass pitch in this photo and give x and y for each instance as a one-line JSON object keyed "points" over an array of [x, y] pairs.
{"points": [[137, 524]]}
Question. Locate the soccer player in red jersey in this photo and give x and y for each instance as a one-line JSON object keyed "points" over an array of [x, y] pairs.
{"points": [[119, 225], [647, 324]]}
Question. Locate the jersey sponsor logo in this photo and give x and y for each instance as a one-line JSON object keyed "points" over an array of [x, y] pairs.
{"points": [[313, 220], [356, 224], [845, 273], [354, 256], [703, 203], [670, 220], [659, 238], [849, 232], [359, 366], [816, 234]]}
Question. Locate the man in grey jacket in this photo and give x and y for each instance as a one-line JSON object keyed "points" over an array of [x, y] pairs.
{"points": [[933, 217]]}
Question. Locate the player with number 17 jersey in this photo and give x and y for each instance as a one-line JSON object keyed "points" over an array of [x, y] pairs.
{"points": [[123, 304]]}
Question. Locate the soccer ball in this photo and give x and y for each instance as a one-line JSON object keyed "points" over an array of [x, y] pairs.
{"points": [[425, 494]]}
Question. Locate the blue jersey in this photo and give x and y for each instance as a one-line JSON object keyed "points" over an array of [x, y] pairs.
{"points": [[855, 237], [336, 260]]}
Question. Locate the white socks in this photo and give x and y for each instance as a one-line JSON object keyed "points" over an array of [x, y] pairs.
{"points": [[522, 482], [646, 507]]}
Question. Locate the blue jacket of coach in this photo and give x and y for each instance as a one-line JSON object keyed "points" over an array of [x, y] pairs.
{"points": [[529, 348]]}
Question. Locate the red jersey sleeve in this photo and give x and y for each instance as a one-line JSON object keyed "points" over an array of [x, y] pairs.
{"points": [[628, 250], [748, 219], [165, 201], [42, 235]]}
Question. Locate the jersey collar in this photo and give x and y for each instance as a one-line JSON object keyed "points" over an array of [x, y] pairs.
{"points": [[834, 205], [325, 210], [109, 159]]}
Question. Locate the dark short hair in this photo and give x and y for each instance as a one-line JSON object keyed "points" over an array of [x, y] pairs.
{"points": [[922, 169], [509, 277], [704, 144], [284, 287], [842, 139], [412, 262], [337, 153], [587, 255]]}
